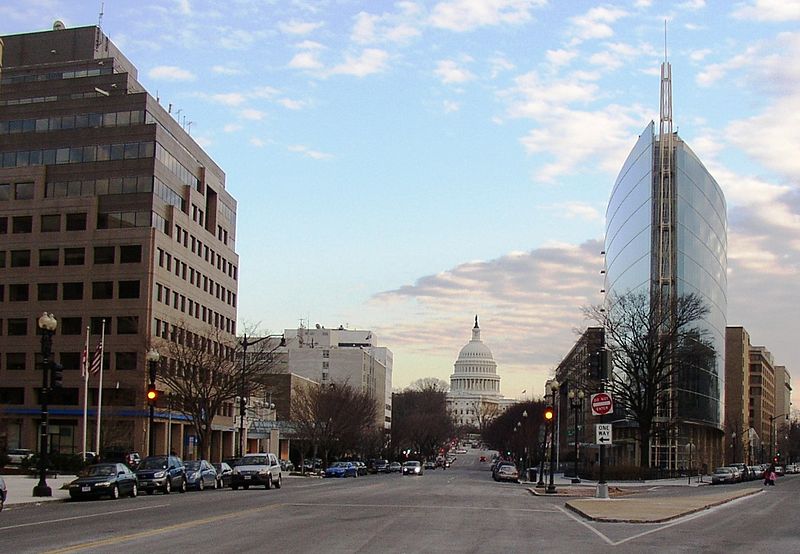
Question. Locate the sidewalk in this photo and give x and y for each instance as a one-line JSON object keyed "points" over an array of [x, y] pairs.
{"points": [[560, 481], [20, 489], [652, 510]]}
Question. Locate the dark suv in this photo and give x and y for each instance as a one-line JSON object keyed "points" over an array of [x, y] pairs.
{"points": [[164, 473], [256, 469]]}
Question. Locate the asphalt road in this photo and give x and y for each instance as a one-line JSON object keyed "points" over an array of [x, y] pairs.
{"points": [[457, 510]]}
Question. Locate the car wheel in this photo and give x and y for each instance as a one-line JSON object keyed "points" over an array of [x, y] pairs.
{"points": [[115, 492], [168, 486], [183, 486], [134, 491], [201, 486], [268, 485], [278, 482], [216, 484]]}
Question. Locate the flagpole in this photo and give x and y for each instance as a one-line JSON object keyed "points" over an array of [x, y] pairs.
{"points": [[100, 388], [85, 370]]}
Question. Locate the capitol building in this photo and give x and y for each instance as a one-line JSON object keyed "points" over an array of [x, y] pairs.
{"points": [[474, 397]]}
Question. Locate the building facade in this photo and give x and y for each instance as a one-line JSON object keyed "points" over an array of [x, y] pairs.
{"points": [[666, 236], [474, 397], [112, 217], [352, 356], [738, 429], [762, 399]]}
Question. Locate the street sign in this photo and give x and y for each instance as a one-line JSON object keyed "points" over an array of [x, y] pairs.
{"points": [[603, 433], [602, 404]]}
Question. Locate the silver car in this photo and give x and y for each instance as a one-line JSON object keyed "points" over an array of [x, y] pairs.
{"points": [[256, 469]]}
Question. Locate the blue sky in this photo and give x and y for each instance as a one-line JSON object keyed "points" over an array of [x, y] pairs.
{"points": [[402, 166]]}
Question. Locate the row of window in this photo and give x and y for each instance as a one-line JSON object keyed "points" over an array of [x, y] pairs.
{"points": [[18, 191], [21, 326], [202, 250], [79, 154], [72, 256], [125, 325], [56, 75], [184, 337], [195, 277], [50, 98], [176, 167], [75, 290], [196, 310], [72, 121], [99, 187]]}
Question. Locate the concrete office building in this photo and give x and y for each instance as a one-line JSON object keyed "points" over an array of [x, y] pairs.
{"points": [[739, 433], [666, 236], [762, 398], [109, 211], [352, 356]]}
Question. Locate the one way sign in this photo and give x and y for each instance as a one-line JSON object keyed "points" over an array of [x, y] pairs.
{"points": [[603, 433]]}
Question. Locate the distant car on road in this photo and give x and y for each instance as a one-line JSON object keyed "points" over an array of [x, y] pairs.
{"points": [[412, 467], [200, 475], [395, 467], [112, 480], [18, 455], [382, 466], [723, 475], [164, 473], [342, 469], [506, 472], [430, 465], [257, 469]]}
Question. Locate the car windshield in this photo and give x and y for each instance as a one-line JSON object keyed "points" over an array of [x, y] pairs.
{"points": [[192, 466], [723, 470], [341, 464], [411, 464], [253, 461], [99, 471], [154, 463]]}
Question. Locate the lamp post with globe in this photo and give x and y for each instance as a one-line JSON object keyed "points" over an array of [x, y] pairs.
{"points": [[47, 323], [551, 488]]}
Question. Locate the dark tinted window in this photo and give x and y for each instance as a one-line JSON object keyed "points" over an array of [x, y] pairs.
{"points": [[96, 325], [17, 326], [48, 257], [103, 254], [21, 224], [48, 291], [102, 290], [51, 223], [76, 222], [127, 325], [131, 254], [128, 289], [70, 326], [72, 291], [18, 293], [70, 360], [125, 360], [74, 256], [20, 258], [15, 360]]}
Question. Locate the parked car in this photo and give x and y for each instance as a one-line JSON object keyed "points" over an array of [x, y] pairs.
{"points": [[412, 467], [112, 480], [224, 473], [3, 493], [342, 469], [497, 465], [743, 471], [200, 474], [18, 455], [429, 464], [382, 466], [507, 472], [395, 467], [257, 469], [723, 475], [164, 473], [310, 464], [287, 465]]}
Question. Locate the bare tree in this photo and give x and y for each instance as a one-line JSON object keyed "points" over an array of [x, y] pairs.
{"points": [[336, 420], [653, 348], [203, 370], [419, 417]]}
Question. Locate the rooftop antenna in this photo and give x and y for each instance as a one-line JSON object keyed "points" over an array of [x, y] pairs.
{"points": [[99, 28]]}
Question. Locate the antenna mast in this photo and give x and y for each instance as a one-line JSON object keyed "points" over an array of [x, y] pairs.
{"points": [[99, 28]]}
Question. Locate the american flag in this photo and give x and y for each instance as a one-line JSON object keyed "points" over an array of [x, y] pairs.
{"points": [[97, 359]]}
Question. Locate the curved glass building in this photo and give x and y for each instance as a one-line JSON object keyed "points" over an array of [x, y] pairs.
{"points": [[695, 253]]}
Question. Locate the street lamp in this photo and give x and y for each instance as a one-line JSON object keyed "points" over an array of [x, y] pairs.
{"points": [[152, 357], [772, 436], [551, 488], [525, 440], [247, 343], [733, 436], [576, 402], [48, 324]]}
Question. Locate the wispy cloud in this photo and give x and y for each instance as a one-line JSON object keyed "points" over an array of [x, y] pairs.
{"points": [[466, 15], [309, 153], [295, 27], [769, 10], [170, 73], [449, 71], [595, 24], [252, 114], [226, 70], [369, 61]]}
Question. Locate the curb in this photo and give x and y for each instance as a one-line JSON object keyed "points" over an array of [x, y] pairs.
{"points": [[603, 519]]}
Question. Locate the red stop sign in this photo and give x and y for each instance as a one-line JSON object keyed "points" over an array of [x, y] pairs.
{"points": [[602, 404]]}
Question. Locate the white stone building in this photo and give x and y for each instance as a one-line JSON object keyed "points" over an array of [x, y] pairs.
{"points": [[474, 397]]}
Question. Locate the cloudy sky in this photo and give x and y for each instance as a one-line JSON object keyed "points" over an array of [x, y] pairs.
{"points": [[402, 166]]}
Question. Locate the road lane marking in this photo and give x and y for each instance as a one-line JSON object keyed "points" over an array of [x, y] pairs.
{"points": [[585, 524], [93, 545], [417, 507], [73, 518]]}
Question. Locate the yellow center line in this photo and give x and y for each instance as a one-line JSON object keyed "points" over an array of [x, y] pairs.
{"points": [[92, 545]]}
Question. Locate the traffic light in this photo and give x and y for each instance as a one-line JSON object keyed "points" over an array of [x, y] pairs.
{"points": [[242, 406], [548, 413], [56, 376], [152, 394], [595, 367]]}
